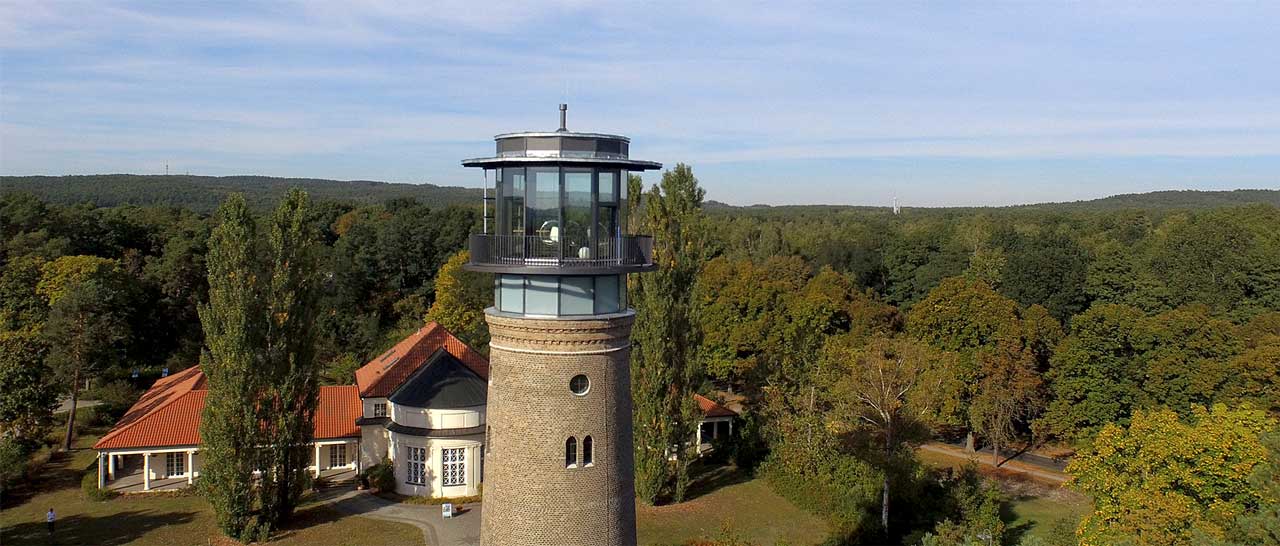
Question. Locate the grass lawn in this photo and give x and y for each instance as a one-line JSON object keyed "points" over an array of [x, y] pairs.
{"points": [[723, 496], [1033, 516], [1035, 505], [160, 519]]}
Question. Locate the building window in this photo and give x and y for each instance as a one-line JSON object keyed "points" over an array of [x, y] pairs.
{"points": [[337, 455], [579, 385], [380, 410], [453, 469], [586, 451], [175, 464], [571, 452], [417, 465]]}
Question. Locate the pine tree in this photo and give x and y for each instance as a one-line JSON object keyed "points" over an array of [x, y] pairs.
{"points": [[664, 371]]}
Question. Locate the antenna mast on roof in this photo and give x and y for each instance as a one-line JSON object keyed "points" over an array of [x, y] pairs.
{"points": [[564, 112]]}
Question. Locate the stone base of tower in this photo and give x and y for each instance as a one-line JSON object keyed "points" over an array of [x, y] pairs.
{"points": [[535, 492]]}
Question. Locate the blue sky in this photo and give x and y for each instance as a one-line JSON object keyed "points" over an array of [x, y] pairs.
{"points": [[936, 103]]}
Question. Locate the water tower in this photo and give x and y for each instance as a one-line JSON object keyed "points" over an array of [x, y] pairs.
{"points": [[558, 458]]}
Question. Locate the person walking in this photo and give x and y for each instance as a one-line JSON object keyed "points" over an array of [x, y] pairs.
{"points": [[48, 518]]}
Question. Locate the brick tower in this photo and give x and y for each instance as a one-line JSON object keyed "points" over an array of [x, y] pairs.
{"points": [[558, 459]]}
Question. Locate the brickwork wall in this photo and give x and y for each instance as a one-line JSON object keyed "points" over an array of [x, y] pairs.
{"points": [[530, 497]]}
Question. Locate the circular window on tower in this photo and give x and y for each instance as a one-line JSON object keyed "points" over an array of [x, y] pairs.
{"points": [[579, 385]]}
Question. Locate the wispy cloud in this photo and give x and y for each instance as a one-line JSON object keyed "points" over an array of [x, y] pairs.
{"points": [[383, 89]]}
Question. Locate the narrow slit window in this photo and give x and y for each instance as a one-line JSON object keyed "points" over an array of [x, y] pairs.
{"points": [[571, 452], [586, 451]]}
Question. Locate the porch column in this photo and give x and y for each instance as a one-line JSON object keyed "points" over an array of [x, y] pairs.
{"points": [[191, 467], [317, 460], [111, 466], [102, 478], [146, 471], [698, 436]]}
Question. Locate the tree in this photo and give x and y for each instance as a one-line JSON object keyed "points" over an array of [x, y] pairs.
{"points": [[1048, 269], [263, 376], [1163, 482], [291, 386], [235, 332], [1095, 375], [1186, 353], [461, 297], [664, 371], [884, 388], [26, 397], [1007, 395], [84, 333]]}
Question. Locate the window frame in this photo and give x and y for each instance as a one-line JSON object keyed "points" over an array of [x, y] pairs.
{"points": [[334, 459], [571, 452], [418, 463], [380, 409], [453, 466], [588, 446], [175, 464]]}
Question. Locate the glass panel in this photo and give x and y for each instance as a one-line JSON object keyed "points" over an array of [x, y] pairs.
{"points": [[575, 296], [607, 227], [606, 300], [541, 297], [577, 212], [608, 179], [586, 451], [511, 206], [544, 211], [512, 293]]}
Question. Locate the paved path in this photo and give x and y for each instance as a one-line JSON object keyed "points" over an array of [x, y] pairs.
{"points": [[64, 405], [1047, 474], [461, 530]]}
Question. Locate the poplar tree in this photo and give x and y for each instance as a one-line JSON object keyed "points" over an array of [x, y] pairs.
{"points": [[664, 371], [234, 334], [291, 388], [261, 366]]}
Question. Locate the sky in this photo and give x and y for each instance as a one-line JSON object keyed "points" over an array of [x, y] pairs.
{"points": [[936, 104]]}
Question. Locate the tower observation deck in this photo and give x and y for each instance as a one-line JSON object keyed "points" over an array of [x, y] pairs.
{"points": [[558, 454]]}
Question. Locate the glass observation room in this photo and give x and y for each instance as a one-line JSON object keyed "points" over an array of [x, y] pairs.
{"points": [[553, 223]]}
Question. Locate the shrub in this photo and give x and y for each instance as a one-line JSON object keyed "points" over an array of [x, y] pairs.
{"points": [[114, 399], [89, 483], [13, 462], [381, 476]]}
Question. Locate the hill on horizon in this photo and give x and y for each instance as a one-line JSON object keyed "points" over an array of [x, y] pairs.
{"points": [[204, 193]]}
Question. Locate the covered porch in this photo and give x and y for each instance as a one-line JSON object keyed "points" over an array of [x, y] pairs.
{"points": [[177, 467], [145, 470]]}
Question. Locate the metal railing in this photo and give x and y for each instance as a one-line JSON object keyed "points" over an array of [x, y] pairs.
{"points": [[542, 251]]}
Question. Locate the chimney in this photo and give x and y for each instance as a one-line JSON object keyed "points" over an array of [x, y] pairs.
{"points": [[564, 109]]}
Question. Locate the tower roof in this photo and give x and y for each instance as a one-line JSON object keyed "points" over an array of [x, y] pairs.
{"points": [[382, 375], [443, 382]]}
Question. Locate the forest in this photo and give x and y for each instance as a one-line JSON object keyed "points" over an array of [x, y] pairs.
{"points": [[1144, 336]]}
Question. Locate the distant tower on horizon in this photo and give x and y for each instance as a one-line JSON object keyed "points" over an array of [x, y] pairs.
{"points": [[559, 465], [896, 210]]}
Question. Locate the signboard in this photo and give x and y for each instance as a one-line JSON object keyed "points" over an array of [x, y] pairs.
{"points": [[446, 509]]}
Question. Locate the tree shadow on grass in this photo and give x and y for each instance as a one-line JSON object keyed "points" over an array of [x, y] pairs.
{"points": [[56, 473], [307, 517], [111, 530], [1013, 533], [707, 478]]}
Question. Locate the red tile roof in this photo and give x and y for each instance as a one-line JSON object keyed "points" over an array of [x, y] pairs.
{"points": [[337, 413], [168, 414], [711, 409], [164, 415], [383, 374]]}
